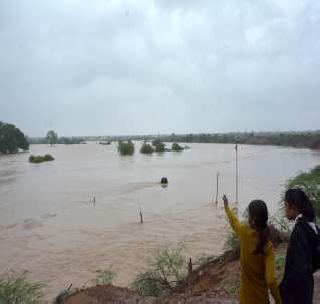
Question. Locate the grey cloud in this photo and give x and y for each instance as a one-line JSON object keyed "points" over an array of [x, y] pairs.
{"points": [[159, 67]]}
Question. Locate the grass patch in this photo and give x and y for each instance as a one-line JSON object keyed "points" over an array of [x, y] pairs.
{"points": [[105, 277], [18, 289]]}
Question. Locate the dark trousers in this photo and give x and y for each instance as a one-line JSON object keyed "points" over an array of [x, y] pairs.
{"points": [[300, 295]]}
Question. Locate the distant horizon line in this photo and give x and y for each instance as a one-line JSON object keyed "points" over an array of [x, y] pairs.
{"points": [[184, 134]]}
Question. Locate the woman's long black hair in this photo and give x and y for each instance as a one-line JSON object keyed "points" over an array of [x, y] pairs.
{"points": [[258, 213], [298, 199]]}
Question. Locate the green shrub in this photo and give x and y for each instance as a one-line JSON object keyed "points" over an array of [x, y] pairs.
{"points": [[35, 159], [165, 271], [39, 159], [105, 277], [48, 157], [160, 147], [176, 147], [125, 148], [146, 284], [146, 148], [308, 182], [16, 290]]}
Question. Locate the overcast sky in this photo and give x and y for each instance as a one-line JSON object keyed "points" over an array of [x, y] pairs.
{"points": [[98, 67]]}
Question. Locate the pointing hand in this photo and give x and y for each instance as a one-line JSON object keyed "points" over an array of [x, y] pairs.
{"points": [[225, 200]]}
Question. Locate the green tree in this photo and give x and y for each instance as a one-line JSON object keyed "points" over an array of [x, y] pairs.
{"points": [[52, 137], [160, 147], [126, 148], [146, 148], [12, 139], [176, 147]]}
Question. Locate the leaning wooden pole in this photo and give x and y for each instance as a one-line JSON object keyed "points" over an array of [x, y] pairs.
{"points": [[237, 175], [217, 189]]}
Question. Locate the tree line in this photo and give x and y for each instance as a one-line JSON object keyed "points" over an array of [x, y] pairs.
{"points": [[52, 139], [308, 139], [127, 147]]}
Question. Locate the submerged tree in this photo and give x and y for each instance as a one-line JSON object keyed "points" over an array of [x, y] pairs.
{"points": [[176, 147], [146, 148], [12, 139], [125, 148], [52, 137], [159, 145]]}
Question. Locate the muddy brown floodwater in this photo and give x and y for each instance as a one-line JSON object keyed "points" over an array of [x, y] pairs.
{"points": [[50, 228]]}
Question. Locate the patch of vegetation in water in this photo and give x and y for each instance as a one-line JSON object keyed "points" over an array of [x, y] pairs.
{"points": [[176, 147], [146, 148], [40, 159], [125, 148]]}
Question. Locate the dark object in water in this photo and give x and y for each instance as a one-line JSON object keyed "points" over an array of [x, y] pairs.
{"points": [[164, 181]]}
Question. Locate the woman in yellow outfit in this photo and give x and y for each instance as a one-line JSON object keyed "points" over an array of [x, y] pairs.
{"points": [[256, 255]]}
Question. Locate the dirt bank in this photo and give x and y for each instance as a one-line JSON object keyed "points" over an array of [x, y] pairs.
{"points": [[215, 282]]}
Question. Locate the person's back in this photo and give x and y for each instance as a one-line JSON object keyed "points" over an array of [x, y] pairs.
{"points": [[256, 259], [253, 267]]}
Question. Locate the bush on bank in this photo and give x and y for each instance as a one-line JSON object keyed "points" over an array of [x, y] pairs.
{"points": [[309, 182], [165, 271]]}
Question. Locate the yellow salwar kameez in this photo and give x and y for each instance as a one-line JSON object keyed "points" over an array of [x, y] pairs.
{"points": [[257, 270]]}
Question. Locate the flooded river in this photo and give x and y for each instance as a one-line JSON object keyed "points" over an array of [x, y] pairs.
{"points": [[50, 228]]}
